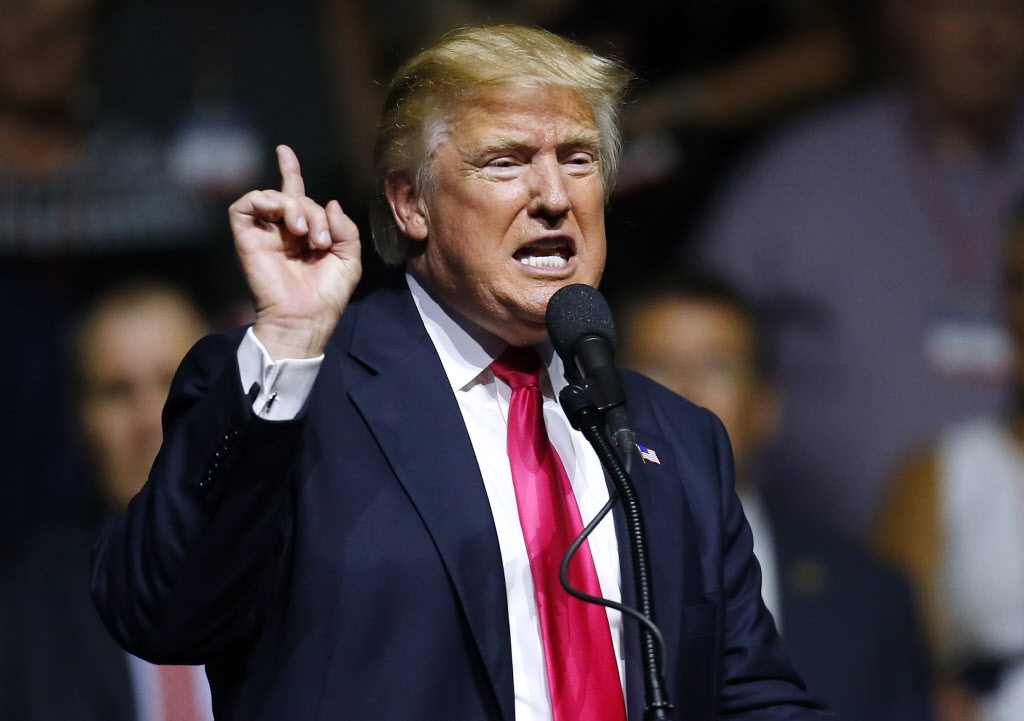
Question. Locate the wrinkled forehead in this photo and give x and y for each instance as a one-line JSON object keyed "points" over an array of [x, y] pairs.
{"points": [[509, 118]]}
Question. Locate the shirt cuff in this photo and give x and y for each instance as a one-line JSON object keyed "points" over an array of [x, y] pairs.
{"points": [[283, 385]]}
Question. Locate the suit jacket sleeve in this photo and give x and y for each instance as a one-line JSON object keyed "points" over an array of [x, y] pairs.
{"points": [[185, 573], [758, 680]]}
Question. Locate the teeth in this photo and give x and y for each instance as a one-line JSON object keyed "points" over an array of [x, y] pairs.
{"points": [[544, 261]]}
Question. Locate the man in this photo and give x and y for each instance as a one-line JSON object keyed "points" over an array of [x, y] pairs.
{"points": [[56, 659], [848, 621], [342, 522], [870, 232]]}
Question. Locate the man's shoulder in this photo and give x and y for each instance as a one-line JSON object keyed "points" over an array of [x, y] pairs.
{"points": [[646, 395]]}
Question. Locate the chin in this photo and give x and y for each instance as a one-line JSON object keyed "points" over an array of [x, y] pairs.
{"points": [[525, 327]]}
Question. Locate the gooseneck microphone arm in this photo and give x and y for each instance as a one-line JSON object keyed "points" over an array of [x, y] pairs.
{"points": [[585, 417]]}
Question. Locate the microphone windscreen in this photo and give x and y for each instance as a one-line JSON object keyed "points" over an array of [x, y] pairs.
{"points": [[576, 311]]}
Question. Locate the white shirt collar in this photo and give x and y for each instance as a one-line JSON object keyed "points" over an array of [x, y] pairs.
{"points": [[465, 348]]}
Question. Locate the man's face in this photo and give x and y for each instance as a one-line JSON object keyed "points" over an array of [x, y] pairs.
{"points": [[516, 210], [128, 358], [969, 53], [704, 351]]}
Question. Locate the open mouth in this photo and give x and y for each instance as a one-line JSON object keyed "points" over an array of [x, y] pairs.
{"points": [[553, 253]]}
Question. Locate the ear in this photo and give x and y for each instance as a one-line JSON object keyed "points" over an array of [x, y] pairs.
{"points": [[408, 212]]}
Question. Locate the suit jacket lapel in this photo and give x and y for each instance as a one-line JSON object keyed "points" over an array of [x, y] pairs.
{"points": [[410, 409], [674, 563]]}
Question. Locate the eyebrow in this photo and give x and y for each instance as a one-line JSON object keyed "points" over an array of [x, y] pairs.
{"points": [[588, 138], [583, 138]]}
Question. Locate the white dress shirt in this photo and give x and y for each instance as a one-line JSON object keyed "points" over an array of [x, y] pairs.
{"points": [[466, 351]]}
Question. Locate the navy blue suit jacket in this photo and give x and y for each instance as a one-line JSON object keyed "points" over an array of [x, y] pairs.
{"points": [[345, 565]]}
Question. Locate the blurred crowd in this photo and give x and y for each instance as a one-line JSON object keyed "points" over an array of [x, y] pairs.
{"points": [[818, 233]]}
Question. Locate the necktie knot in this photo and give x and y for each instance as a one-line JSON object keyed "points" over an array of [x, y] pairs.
{"points": [[519, 367]]}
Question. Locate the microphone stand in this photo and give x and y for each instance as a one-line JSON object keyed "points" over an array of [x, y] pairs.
{"points": [[585, 417]]}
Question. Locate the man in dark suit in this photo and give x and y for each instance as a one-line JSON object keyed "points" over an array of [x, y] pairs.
{"points": [[847, 619], [338, 523]]}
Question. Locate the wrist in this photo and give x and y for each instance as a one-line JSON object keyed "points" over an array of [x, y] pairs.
{"points": [[296, 338]]}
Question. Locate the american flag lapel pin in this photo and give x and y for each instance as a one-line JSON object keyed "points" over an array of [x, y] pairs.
{"points": [[648, 454]]}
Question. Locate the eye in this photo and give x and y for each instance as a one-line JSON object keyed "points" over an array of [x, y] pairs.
{"points": [[503, 167], [580, 162]]}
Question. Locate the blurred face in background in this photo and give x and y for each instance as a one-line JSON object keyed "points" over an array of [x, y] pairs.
{"points": [[704, 351], [45, 47], [968, 54], [129, 350]]}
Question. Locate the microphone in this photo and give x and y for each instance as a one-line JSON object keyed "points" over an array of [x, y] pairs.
{"points": [[580, 326]]}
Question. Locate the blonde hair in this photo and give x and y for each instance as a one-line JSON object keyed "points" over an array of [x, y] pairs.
{"points": [[464, 64]]}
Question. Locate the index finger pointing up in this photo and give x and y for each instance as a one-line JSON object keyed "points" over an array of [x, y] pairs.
{"points": [[291, 173]]}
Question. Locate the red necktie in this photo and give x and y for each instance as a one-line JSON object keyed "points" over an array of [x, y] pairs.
{"points": [[180, 696], [583, 675]]}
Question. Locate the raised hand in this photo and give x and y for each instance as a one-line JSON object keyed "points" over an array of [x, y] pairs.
{"points": [[301, 261]]}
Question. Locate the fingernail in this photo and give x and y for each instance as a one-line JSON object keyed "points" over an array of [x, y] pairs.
{"points": [[325, 237], [303, 227]]}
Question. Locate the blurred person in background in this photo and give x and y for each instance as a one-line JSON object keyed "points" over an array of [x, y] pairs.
{"points": [[715, 82], [955, 519], [85, 194], [74, 178], [870, 234], [57, 661], [848, 621]]}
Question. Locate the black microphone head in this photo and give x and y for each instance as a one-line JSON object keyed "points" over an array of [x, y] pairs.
{"points": [[574, 312]]}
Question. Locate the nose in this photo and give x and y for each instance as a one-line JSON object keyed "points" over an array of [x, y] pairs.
{"points": [[549, 193]]}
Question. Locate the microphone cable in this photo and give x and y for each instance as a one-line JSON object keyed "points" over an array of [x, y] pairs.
{"points": [[563, 577]]}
